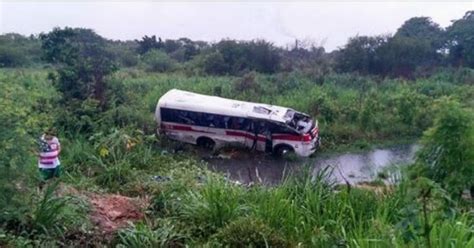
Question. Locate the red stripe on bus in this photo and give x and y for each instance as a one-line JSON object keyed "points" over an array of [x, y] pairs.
{"points": [[245, 134], [287, 137], [182, 128]]}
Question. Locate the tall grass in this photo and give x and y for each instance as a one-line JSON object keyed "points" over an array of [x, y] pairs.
{"points": [[307, 210]]}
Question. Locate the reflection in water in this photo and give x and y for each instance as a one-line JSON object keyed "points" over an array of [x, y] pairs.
{"points": [[357, 167], [353, 167]]}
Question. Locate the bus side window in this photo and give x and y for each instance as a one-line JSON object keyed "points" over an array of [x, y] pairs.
{"points": [[237, 123], [168, 115], [184, 117], [275, 128], [258, 127], [262, 127], [233, 124], [209, 120], [165, 114], [245, 124], [219, 121]]}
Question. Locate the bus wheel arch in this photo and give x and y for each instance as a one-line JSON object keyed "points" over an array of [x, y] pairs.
{"points": [[206, 142], [282, 150]]}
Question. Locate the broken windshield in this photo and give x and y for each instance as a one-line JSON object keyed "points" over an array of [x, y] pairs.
{"points": [[299, 121]]}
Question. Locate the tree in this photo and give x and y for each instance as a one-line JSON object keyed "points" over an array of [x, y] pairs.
{"points": [[264, 56], [423, 28], [461, 41], [360, 54], [401, 56], [158, 61], [149, 43], [17, 50], [12, 57], [446, 155], [234, 55], [245, 56], [214, 63], [83, 63], [415, 45]]}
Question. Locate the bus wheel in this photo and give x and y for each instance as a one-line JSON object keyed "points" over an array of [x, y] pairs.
{"points": [[206, 143], [283, 151]]}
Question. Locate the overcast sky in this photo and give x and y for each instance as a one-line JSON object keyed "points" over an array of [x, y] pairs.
{"points": [[325, 23]]}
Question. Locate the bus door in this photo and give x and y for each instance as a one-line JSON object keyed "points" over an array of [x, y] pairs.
{"points": [[259, 136]]}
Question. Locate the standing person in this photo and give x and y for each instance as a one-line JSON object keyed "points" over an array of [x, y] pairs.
{"points": [[48, 160]]}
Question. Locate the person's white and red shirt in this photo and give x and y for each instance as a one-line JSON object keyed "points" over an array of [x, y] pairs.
{"points": [[49, 153]]}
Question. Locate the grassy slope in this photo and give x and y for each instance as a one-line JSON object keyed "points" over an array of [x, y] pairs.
{"points": [[201, 209]]}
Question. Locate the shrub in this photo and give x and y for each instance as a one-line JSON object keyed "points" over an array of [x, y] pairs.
{"points": [[447, 156], [247, 83], [214, 63], [158, 61], [12, 57]]}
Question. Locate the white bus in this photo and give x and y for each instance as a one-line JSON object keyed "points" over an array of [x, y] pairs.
{"points": [[214, 122]]}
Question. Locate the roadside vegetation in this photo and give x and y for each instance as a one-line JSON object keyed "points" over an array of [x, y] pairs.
{"points": [[100, 96]]}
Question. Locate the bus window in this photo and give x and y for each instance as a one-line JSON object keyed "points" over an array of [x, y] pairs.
{"points": [[275, 128], [166, 115], [169, 115], [238, 123], [184, 117], [234, 123], [245, 124]]}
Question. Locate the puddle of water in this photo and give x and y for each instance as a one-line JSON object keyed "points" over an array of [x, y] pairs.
{"points": [[353, 167]]}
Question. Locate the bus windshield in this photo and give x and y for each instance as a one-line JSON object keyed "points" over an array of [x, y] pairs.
{"points": [[299, 121]]}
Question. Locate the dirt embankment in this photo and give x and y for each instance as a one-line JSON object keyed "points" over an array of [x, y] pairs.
{"points": [[109, 212], [112, 212]]}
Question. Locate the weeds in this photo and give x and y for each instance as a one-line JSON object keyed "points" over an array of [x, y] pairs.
{"points": [[116, 151]]}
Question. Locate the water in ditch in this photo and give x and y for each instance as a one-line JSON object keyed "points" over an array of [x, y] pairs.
{"points": [[352, 167]]}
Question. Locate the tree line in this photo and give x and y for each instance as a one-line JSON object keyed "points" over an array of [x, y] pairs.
{"points": [[417, 48]]}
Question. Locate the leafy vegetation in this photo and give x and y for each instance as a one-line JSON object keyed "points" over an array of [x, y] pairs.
{"points": [[100, 95], [446, 156]]}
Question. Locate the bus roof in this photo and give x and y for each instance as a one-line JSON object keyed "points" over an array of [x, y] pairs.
{"points": [[185, 100]]}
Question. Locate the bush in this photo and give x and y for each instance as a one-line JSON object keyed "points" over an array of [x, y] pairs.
{"points": [[214, 63], [12, 57], [158, 61], [446, 155], [247, 83]]}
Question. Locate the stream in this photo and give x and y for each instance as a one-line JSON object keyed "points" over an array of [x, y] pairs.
{"points": [[353, 167]]}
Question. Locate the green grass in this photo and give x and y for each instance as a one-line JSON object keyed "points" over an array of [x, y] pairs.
{"points": [[198, 208]]}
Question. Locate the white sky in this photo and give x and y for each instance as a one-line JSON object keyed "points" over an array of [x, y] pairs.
{"points": [[326, 23]]}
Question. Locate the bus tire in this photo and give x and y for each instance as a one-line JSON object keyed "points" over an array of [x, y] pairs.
{"points": [[283, 150], [206, 143]]}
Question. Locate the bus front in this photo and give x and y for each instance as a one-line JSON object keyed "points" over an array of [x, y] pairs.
{"points": [[308, 130]]}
